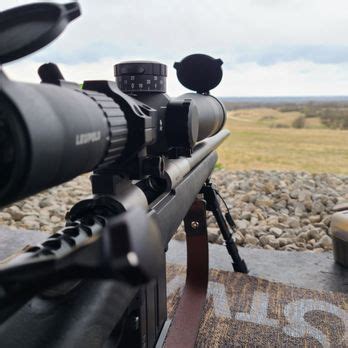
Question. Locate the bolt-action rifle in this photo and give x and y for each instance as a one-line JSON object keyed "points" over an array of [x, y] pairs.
{"points": [[101, 280]]}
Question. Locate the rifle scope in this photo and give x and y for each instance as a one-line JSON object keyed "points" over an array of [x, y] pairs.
{"points": [[50, 134], [54, 131]]}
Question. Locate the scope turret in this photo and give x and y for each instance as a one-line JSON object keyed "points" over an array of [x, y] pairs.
{"points": [[141, 77]]}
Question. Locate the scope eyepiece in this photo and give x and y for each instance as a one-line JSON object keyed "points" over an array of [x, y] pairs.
{"points": [[50, 134], [7, 150], [12, 148]]}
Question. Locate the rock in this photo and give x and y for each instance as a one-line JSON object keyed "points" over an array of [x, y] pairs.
{"points": [[254, 221], [277, 232], [280, 205], [284, 241], [5, 217], [239, 238], [314, 218], [340, 207], [272, 221], [308, 204], [327, 220], [299, 209], [213, 234], [283, 218], [313, 234], [265, 239], [16, 213], [302, 237], [260, 215], [301, 245], [322, 233], [249, 197], [318, 250], [28, 207], [304, 196], [321, 226], [269, 187], [264, 202], [294, 222], [180, 236], [242, 224], [181, 228], [246, 216], [289, 234], [284, 197], [325, 242], [31, 222], [55, 219], [311, 242], [55, 228], [274, 243], [317, 207], [53, 209], [212, 238], [294, 194], [291, 247], [305, 222], [251, 240], [220, 241], [46, 202]]}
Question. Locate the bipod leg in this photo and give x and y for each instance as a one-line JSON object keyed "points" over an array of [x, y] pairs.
{"points": [[213, 205], [185, 325]]}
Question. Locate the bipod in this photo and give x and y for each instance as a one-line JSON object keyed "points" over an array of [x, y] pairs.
{"points": [[225, 223], [184, 327]]}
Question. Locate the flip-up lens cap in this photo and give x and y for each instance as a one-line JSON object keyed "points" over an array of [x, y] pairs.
{"points": [[26, 29]]}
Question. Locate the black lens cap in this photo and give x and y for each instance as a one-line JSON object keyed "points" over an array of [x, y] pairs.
{"points": [[26, 29], [199, 72]]}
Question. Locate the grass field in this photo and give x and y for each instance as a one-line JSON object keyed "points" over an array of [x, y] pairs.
{"points": [[257, 143]]}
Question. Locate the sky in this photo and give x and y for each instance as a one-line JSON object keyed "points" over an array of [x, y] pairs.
{"points": [[269, 47]]}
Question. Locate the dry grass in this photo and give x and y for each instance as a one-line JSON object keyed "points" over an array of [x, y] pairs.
{"points": [[256, 144]]}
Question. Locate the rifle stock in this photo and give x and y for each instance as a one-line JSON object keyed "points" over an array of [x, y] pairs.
{"points": [[89, 314]]}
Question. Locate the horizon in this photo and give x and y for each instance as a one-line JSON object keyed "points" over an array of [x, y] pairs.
{"points": [[287, 96]]}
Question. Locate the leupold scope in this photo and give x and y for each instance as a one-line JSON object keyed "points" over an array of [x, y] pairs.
{"points": [[54, 131]]}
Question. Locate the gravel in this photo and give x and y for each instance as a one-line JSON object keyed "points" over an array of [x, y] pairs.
{"points": [[272, 210], [279, 210], [46, 211]]}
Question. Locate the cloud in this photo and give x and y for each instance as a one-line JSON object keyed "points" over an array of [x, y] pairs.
{"points": [[294, 78], [233, 29], [269, 46], [326, 54]]}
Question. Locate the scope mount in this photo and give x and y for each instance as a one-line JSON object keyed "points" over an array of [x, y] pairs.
{"points": [[26, 29], [199, 72]]}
